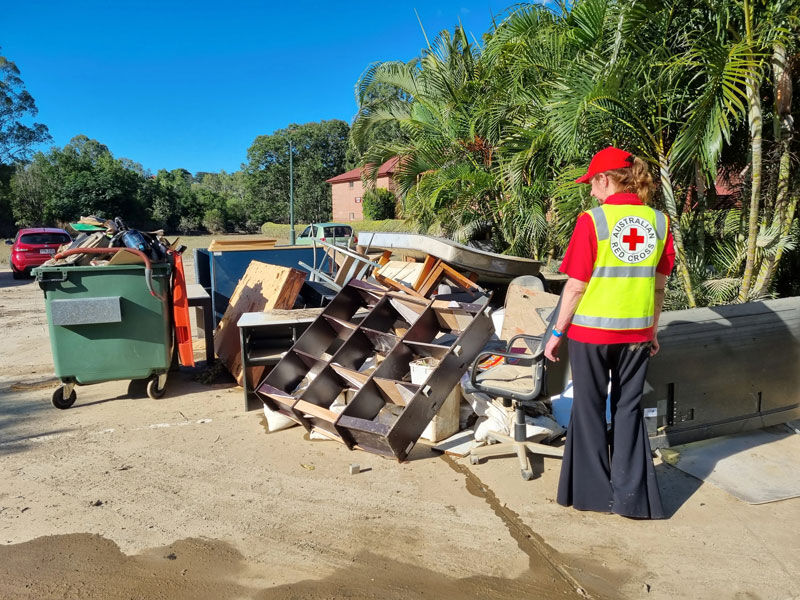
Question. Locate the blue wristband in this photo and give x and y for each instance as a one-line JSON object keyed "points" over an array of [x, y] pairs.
{"points": [[557, 333]]}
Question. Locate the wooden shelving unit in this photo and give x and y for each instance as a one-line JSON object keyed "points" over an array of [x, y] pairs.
{"points": [[364, 364]]}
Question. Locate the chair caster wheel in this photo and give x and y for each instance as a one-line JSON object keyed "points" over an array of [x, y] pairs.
{"points": [[526, 475], [474, 460]]}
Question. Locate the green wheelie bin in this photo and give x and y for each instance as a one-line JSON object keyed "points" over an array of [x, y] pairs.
{"points": [[106, 325]]}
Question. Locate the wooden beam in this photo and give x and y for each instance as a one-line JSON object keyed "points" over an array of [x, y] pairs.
{"points": [[427, 267]]}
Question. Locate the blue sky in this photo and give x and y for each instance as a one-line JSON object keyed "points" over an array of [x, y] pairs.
{"points": [[190, 84]]}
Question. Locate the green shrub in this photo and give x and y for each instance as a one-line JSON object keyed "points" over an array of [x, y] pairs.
{"points": [[379, 204], [214, 221]]}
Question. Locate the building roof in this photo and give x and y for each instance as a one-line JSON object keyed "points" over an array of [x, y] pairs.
{"points": [[386, 169]]}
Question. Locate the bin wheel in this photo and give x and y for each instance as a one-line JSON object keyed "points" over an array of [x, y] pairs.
{"points": [[156, 387], [59, 401]]}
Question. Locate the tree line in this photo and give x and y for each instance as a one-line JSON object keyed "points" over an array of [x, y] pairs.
{"points": [[60, 185]]}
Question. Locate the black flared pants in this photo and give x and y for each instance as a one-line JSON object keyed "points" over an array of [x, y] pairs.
{"points": [[609, 471]]}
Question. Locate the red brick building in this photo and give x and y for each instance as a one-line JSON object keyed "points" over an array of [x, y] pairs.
{"points": [[347, 190]]}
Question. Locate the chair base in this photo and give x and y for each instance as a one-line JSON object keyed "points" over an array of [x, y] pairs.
{"points": [[508, 445]]}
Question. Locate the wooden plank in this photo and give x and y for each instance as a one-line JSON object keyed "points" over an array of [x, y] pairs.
{"points": [[459, 445], [397, 392], [344, 269], [387, 254], [262, 287], [427, 267], [432, 280], [316, 411], [240, 243], [457, 278], [388, 282]]}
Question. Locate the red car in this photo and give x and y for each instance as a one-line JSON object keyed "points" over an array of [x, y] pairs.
{"points": [[34, 246]]}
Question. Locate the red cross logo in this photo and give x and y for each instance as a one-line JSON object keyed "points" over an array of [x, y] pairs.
{"points": [[633, 239]]}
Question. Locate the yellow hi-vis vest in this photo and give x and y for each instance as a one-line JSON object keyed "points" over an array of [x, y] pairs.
{"points": [[620, 293]]}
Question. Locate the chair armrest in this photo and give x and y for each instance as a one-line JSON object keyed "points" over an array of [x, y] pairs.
{"points": [[533, 338]]}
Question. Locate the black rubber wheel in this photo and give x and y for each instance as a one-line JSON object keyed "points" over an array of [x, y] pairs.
{"points": [[153, 390], [17, 274], [63, 403]]}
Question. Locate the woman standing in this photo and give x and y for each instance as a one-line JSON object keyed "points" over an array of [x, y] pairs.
{"points": [[617, 261]]}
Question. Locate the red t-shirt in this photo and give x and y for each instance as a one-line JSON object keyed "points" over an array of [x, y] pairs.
{"points": [[579, 263]]}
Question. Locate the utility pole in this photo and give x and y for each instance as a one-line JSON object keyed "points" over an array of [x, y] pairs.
{"points": [[291, 197]]}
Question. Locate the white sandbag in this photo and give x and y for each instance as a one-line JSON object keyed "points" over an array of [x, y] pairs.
{"points": [[479, 401], [543, 427], [277, 421]]}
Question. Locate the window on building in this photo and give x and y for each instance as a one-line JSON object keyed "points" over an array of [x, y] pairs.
{"points": [[351, 184], [358, 200]]}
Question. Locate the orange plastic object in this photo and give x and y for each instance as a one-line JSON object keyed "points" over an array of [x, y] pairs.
{"points": [[180, 313]]}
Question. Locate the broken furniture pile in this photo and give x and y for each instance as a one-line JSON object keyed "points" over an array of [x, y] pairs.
{"points": [[374, 367]]}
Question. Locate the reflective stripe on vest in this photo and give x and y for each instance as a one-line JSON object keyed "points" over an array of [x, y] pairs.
{"points": [[620, 292], [612, 322], [624, 271]]}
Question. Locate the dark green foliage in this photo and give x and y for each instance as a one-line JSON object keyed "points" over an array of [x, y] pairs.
{"points": [[318, 154], [379, 204]]}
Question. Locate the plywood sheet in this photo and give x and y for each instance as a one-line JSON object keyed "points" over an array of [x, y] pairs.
{"points": [[405, 272], [263, 287]]}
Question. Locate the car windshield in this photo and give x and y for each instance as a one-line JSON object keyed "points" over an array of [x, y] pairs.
{"points": [[306, 232], [44, 238]]}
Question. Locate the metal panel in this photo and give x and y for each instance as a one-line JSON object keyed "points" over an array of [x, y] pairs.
{"points": [[85, 311], [725, 369]]}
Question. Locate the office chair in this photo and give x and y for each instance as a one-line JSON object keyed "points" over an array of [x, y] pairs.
{"points": [[524, 382]]}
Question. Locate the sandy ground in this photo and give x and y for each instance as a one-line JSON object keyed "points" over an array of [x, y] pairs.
{"points": [[122, 496]]}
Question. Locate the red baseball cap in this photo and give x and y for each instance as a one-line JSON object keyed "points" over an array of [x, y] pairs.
{"points": [[607, 159]]}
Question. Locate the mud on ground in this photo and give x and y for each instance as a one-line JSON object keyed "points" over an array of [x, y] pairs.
{"points": [[187, 497]]}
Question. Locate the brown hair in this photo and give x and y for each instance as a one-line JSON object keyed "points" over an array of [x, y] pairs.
{"points": [[635, 179]]}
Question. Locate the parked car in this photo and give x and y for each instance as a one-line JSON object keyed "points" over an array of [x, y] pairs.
{"points": [[333, 233], [34, 246]]}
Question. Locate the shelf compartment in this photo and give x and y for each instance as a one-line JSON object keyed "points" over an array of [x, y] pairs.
{"points": [[396, 392], [353, 378], [408, 307], [321, 392], [395, 366], [288, 373], [357, 424], [424, 350], [339, 325], [366, 434], [386, 318], [322, 338], [362, 345], [441, 319], [277, 400], [381, 341]]}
